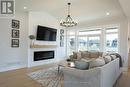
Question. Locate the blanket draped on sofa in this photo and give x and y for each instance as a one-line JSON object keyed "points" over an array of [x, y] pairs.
{"points": [[120, 58]]}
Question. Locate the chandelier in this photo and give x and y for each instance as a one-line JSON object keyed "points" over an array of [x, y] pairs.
{"points": [[68, 22]]}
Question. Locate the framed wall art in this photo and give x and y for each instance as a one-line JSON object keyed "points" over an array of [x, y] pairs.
{"points": [[61, 38], [61, 31], [15, 43], [15, 33], [15, 24]]}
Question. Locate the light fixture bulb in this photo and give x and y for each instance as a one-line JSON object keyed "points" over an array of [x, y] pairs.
{"points": [[107, 13], [24, 7]]}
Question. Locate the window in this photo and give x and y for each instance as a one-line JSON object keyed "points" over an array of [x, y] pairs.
{"points": [[83, 43], [89, 40], [94, 43], [71, 44], [111, 40], [98, 39]]}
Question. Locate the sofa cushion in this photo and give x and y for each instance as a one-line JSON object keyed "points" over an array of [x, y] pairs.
{"points": [[94, 54], [87, 59], [71, 56], [97, 62], [85, 54], [79, 55], [113, 57], [104, 54], [100, 54], [81, 65], [107, 58], [75, 55]]}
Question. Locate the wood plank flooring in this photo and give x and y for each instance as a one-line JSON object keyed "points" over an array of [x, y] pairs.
{"points": [[124, 80], [19, 78]]}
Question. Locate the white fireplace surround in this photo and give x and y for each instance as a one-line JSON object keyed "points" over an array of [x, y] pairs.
{"points": [[31, 61], [44, 19]]}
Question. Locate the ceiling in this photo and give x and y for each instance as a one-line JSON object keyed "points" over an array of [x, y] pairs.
{"points": [[81, 10], [126, 7]]}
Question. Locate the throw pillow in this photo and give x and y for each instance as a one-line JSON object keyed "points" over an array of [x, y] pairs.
{"points": [[107, 58], [113, 57], [94, 54], [81, 65], [104, 54], [79, 55], [88, 59], [96, 63], [100, 53], [71, 57], [85, 54], [75, 55]]}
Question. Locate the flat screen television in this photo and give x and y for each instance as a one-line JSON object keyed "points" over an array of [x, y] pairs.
{"points": [[46, 33]]}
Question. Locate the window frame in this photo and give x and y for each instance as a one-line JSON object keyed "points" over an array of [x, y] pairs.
{"points": [[88, 36], [102, 36], [67, 46], [118, 42]]}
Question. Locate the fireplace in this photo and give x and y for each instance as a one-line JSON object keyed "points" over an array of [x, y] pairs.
{"points": [[43, 55]]}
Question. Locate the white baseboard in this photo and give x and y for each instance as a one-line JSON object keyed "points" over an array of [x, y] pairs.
{"points": [[42, 62], [11, 67]]}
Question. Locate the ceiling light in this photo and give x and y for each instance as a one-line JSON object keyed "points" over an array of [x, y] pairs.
{"points": [[68, 22], [25, 7], [107, 13]]}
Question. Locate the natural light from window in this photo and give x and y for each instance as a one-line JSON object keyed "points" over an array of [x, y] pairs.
{"points": [[111, 40], [103, 39]]}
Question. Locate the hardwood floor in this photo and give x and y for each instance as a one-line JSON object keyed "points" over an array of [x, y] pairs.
{"points": [[19, 78], [124, 80]]}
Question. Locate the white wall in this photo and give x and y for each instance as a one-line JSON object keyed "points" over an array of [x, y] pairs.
{"points": [[129, 34], [44, 19], [129, 43], [12, 58]]}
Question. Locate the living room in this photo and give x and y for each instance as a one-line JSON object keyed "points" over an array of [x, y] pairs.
{"points": [[35, 39]]}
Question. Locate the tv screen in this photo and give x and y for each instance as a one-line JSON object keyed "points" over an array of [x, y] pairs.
{"points": [[46, 33]]}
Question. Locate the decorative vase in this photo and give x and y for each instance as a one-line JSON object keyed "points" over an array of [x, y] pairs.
{"points": [[32, 42]]}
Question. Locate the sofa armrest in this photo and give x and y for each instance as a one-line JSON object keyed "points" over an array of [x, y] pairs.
{"points": [[81, 78]]}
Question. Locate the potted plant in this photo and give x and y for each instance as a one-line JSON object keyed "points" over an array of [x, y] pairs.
{"points": [[32, 37]]}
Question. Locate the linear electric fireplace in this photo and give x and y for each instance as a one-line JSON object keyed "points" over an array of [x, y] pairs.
{"points": [[43, 55]]}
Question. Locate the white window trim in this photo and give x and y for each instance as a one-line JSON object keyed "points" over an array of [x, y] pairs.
{"points": [[111, 33], [102, 36]]}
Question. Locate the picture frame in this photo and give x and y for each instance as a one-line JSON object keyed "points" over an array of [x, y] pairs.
{"points": [[62, 41], [15, 43], [62, 37], [15, 33], [15, 24], [61, 31]]}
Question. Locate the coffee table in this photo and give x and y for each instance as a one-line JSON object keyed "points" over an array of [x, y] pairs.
{"points": [[59, 66], [65, 64]]}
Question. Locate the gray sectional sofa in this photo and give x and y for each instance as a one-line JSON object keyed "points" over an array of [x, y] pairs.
{"points": [[103, 73]]}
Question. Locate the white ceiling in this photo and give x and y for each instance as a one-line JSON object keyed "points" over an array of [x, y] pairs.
{"points": [[126, 7], [81, 10]]}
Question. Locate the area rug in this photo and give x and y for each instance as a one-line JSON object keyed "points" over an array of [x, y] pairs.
{"points": [[48, 78]]}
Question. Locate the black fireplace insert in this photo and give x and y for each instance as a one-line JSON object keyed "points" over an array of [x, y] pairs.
{"points": [[43, 55]]}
